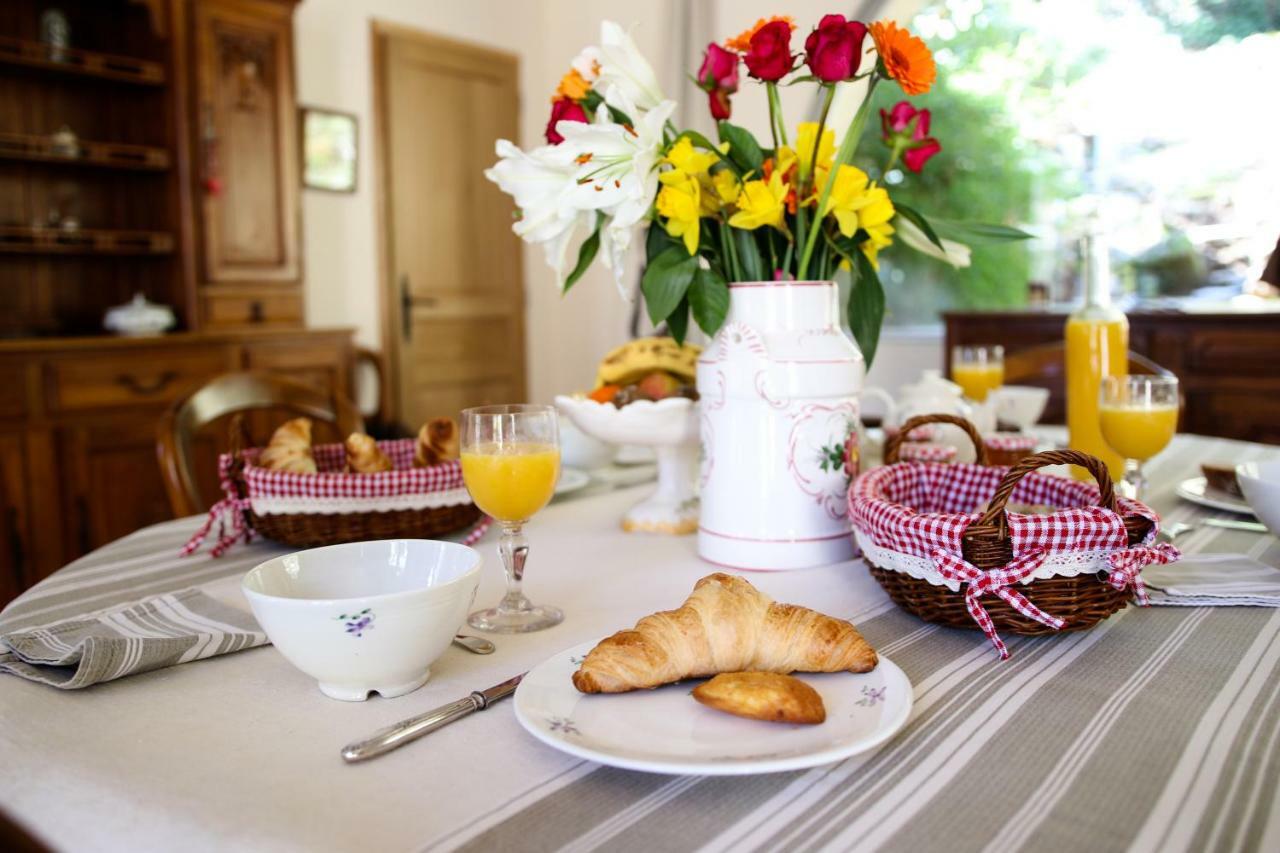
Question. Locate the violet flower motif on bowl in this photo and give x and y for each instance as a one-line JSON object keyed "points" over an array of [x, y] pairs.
{"points": [[357, 623]]}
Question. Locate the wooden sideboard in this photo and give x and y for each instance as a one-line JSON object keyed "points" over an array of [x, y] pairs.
{"points": [[78, 418], [1228, 364]]}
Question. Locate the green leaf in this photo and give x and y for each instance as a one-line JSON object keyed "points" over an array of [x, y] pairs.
{"points": [[748, 254], [709, 299], [586, 254], [657, 241], [866, 306], [678, 322], [743, 148], [920, 222], [666, 281], [978, 232], [808, 78], [702, 142]]}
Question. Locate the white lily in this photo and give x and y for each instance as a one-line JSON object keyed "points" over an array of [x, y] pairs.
{"points": [[956, 254], [617, 174], [542, 183], [626, 78]]}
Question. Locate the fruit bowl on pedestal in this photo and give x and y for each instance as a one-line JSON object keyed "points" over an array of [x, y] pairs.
{"points": [[670, 427]]}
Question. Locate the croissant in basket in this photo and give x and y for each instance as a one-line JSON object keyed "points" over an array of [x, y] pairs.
{"points": [[364, 455], [726, 625], [438, 441], [290, 448]]}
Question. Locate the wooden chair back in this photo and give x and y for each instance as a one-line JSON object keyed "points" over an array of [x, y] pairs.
{"points": [[182, 453]]}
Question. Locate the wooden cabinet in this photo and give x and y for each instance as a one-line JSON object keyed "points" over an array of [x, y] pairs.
{"points": [[78, 422], [1228, 364], [247, 163]]}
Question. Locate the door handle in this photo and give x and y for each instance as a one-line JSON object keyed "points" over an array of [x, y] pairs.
{"points": [[407, 302]]}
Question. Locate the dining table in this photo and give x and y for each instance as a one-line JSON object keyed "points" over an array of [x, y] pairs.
{"points": [[1158, 729]]}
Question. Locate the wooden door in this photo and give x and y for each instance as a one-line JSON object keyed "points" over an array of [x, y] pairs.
{"points": [[453, 288], [15, 539], [247, 149]]}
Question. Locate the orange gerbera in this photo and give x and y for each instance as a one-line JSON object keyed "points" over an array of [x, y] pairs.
{"points": [[906, 58], [572, 86], [741, 43]]}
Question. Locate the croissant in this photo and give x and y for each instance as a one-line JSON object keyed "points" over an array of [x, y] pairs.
{"points": [[437, 442], [290, 448], [726, 625], [364, 455]]}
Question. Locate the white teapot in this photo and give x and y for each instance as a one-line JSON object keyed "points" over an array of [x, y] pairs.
{"points": [[932, 394]]}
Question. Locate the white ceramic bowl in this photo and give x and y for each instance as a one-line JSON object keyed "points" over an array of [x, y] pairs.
{"points": [[1021, 405], [1260, 482], [365, 616]]}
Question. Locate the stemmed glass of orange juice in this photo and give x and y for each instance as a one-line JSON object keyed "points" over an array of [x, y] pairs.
{"points": [[978, 370], [1138, 416], [510, 463]]}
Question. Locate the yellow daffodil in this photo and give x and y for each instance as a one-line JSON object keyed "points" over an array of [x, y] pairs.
{"points": [[761, 203], [857, 203], [726, 186], [679, 201], [805, 136], [684, 157]]}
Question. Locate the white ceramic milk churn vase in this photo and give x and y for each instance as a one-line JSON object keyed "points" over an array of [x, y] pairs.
{"points": [[778, 388]]}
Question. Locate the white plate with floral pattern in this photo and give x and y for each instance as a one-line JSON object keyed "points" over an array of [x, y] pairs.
{"points": [[667, 731]]}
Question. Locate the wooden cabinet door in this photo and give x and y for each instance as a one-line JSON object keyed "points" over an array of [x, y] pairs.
{"points": [[247, 140], [15, 534], [111, 480]]}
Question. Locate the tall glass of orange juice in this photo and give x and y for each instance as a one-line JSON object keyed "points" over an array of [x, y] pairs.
{"points": [[978, 370], [510, 463], [1097, 346], [1138, 416]]}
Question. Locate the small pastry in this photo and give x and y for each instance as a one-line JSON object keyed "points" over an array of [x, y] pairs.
{"points": [[769, 696], [364, 456], [438, 442], [726, 625], [290, 448], [1221, 477]]}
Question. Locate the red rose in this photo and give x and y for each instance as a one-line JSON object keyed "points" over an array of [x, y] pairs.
{"points": [[769, 58], [718, 77], [834, 49], [907, 129], [564, 109]]}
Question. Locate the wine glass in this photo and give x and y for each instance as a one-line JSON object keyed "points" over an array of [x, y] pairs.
{"points": [[978, 370], [1138, 416], [510, 463]]}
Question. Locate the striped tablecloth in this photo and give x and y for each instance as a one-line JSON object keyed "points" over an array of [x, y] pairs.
{"points": [[1157, 730]]}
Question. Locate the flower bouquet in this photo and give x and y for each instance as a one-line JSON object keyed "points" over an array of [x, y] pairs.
{"points": [[741, 209]]}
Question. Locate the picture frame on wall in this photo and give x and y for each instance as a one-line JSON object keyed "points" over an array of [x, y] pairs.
{"points": [[330, 149]]}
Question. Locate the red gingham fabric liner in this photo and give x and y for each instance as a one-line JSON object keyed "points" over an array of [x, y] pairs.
{"points": [[996, 581], [916, 508], [914, 451], [1010, 441]]}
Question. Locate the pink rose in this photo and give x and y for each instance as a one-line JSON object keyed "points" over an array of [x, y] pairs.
{"points": [[834, 49], [907, 129], [769, 58], [563, 109], [718, 77]]}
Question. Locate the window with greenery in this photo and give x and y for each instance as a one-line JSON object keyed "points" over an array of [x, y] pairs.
{"points": [[1156, 116]]}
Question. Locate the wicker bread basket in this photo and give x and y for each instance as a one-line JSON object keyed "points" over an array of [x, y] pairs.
{"points": [[1080, 601]]}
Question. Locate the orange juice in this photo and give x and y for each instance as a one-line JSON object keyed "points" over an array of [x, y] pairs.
{"points": [[511, 482], [1138, 432], [1095, 348], [978, 380]]}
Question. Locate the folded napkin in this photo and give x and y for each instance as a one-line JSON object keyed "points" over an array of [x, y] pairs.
{"points": [[1214, 580], [126, 639]]}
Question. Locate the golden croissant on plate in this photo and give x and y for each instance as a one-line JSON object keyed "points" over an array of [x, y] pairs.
{"points": [[438, 441], [364, 456], [290, 448], [726, 625]]}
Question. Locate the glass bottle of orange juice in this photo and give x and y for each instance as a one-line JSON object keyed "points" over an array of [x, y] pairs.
{"points": [[1097, 345]]}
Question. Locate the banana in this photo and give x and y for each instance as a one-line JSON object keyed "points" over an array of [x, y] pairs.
{"points": [[634, 360]]}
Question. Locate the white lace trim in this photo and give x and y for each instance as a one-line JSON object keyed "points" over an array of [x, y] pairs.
{"points": [[1062, 564], [333, 506]]}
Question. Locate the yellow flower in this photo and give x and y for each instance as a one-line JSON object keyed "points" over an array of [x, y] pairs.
{"points": [[688, 159], [726, 186], [573, 86], [859, 204], [805, 136], [761, 203], [679, 201]]}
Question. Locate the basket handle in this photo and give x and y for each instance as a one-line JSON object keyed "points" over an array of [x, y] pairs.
{"points": [[892, 446], [995, 514]]}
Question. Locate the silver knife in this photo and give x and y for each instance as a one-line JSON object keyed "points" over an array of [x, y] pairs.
{"points": [[398, 734], [1233, 524]]}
